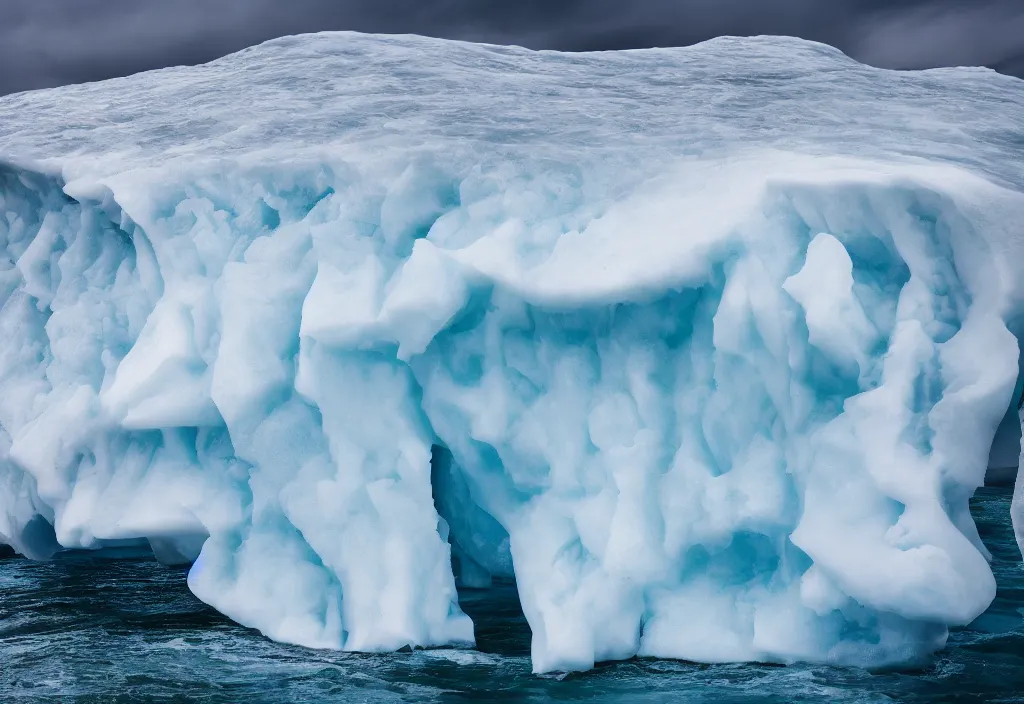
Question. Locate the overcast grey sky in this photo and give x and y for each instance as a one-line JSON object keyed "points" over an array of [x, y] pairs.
{"points": [[51, 42]]}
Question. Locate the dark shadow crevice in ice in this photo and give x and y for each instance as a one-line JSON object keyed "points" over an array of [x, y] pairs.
{"points": [[481, 561], [480, 545], [499, 624], [1004, 457], [38, 540]]}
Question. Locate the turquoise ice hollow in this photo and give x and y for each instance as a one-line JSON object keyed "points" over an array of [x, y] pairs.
{"points": [[705, 348]]}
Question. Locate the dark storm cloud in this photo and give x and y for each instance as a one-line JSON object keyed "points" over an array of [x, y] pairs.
{"points": [[975, 33], [50, 42]]}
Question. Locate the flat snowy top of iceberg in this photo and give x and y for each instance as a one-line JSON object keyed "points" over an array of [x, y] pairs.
{"points": [[351, 95]]}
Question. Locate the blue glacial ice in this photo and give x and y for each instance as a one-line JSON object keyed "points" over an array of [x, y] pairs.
{"points": [[706, 348]]}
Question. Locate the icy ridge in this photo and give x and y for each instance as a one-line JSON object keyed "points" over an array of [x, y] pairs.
{"points": [[719, 398]]}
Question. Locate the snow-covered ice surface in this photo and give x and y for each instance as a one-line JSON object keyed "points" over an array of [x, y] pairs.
{"points": [[706, 347]]}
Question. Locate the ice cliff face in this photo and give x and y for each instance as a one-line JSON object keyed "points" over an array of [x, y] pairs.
{"points": [[704, 347]]}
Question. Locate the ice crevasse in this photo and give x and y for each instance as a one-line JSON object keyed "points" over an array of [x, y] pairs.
{"points": [[705, 348]]}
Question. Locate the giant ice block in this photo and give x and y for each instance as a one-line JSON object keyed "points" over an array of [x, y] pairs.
{"points": [[704, 347]]}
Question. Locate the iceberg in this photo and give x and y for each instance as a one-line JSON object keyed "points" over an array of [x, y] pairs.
{"points": [[706, 348]]}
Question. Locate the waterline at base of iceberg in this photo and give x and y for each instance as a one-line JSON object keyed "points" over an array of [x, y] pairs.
{"points": [[60, 620]]}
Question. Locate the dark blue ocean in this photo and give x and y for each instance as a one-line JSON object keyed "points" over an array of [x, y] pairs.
{"points": [[83, 630]]}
